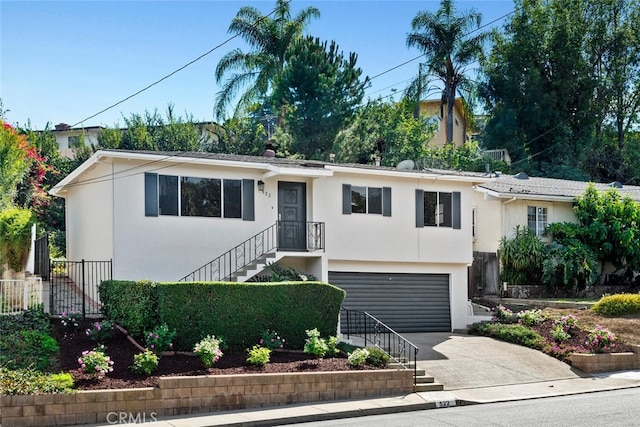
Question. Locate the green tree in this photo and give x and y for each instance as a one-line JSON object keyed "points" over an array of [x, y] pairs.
{"points": [[446, 39], [387, 130], [14, 163], [317, 92], [269, 40], [521, 258]]}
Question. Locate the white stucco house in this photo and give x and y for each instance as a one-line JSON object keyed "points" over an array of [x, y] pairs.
{"points": [[398, 241], [506, 201]]}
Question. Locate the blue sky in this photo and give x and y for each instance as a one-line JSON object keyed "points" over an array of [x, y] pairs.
{"points": [[66, 61]]}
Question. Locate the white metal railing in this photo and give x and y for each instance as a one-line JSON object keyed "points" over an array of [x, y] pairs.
{"points": [[499, 154], [19, 295]]}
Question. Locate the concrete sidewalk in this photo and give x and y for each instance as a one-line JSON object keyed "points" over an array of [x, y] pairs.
{"points": [[473, 370]]}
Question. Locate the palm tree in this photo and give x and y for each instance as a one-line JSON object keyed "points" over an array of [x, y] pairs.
{"points": [[269, 39], [444, 38]]}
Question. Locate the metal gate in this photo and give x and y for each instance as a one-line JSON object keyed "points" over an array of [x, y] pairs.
{"points": [[41, 257], [406, 302], [73, 286]]}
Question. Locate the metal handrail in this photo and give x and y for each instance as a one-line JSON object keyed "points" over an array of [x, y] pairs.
{"points": [[363, 325], [223, 267]]}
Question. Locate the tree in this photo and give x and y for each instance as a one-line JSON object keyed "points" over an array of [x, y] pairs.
{"points": [[387, 130], [445, 39], [317, 92], [14, 163], [269, 40]]}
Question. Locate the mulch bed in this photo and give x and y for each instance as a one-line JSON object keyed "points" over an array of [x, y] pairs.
{"points": [[121, 350]]}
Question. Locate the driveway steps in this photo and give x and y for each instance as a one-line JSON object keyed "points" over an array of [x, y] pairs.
{"points": [[421, 381]]}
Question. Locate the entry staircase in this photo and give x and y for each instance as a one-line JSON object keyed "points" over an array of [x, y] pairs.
{"points": [[255, 254], [369, 331]]}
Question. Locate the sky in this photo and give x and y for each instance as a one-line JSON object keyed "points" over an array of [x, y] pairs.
{"points": [[66, 61]]}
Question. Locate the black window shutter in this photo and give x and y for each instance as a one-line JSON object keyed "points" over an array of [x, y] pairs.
{"points": [[386, 201], [150, 194], [346, 199], [248, 205], [419, 208], [455, 208]]}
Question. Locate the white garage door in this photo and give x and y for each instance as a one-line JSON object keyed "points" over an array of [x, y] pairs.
{"points": [[403, 301]]}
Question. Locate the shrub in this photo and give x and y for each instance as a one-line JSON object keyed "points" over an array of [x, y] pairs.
{"points": [[559, 352], [358, 357], [502, 314], [600, 340], [133, 305], [100, 331], [271, 340], [258, 355], [559, 333], [530, 317], [95, 362], [377, 357], [26, 341], [15, 236], [315, 345], [332, 346], [208, 349], [618, 305], [70, 320], [28, 381], [145, 362], [567, 323], [517, 334], [521, 258], [159, 339]]}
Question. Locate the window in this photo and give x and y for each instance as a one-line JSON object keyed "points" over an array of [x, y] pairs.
{"points": [[371, 200], [202, 197], [537, 220], [438, 209]]}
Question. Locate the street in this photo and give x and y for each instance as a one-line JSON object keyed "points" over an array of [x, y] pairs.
{"points": [[610, 408]]}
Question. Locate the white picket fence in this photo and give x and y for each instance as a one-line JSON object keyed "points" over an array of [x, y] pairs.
{"points": [[19, 295]]}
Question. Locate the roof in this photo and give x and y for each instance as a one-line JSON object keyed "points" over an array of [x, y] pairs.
{"points": [[271, 166], [510, 186]]}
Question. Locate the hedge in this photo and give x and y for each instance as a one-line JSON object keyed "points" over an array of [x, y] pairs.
{"points": [[240, 312], [618, 305], [133, 305]]}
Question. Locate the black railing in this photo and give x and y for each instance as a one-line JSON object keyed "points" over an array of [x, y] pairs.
{"points": [[363, 325], [73, 286], [253, 249], [42, 261]]}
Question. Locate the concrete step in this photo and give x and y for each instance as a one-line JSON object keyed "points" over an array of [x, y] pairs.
{"points": [[428, 387], [424, 379]]}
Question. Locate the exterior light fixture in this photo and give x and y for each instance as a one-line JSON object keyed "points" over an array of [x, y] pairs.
{"points": [[261, 186]]}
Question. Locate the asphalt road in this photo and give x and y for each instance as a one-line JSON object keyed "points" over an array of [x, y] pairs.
{"points": [[607, 408]]}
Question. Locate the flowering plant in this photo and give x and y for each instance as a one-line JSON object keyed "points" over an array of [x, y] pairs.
{"points": [[314, 344], [145, 362], [71, 319], [502, 314], [358, 357], [271, 340], [530, 317], [567, 322], [258, 355], [95, 362], [208, 349], [159, 339], [100, 331], [600, 340]]}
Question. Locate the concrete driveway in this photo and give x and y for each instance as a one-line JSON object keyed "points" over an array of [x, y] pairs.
{"points": [[461, 361]]}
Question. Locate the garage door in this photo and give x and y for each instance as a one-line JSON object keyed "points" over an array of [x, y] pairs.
{"points": [[404, 302]]}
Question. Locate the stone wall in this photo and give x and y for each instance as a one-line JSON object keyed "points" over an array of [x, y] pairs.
{"points": [[199, 394]]}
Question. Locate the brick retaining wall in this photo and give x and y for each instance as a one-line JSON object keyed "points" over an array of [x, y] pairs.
{"points": [[605, 362], [200, 394]]}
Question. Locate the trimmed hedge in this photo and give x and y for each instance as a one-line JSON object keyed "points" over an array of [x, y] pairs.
{"points": [[240, 312], [516, 334], [133, 305], [618, 305]]}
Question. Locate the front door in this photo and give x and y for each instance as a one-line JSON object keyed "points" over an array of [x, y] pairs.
{"points": [[292, 216]]}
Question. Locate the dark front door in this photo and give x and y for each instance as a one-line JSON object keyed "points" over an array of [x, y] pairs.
{"points": [[292, 216]]}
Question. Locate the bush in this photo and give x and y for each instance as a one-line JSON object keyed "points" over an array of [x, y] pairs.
{"points": [[258, 355], [271, 340], [531, 317], [145, 363], [95, 362], [377, 357], [70, 320], [208, 349], [28, 381], [516, 334], [100, 331], [15, 236], [159, 339], [26, 341], [521, 258], [358, 357], [315, 345], [600, 340], [243, 311], [618, 305], [502, 314], [559, 333], [133, 305]]}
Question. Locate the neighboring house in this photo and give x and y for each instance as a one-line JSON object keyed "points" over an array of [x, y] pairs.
{"points": [[436, 113], [69, 138], [507, 201], [398, 241]]}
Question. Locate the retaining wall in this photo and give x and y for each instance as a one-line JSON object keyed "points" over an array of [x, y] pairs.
{"points": [[199, 394]]}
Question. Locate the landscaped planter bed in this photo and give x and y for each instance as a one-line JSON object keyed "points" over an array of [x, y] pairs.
{"points": [[200, 394]]}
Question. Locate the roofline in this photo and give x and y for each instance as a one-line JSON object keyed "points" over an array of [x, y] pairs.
{"points": [[404, 174], [526, 196]]}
